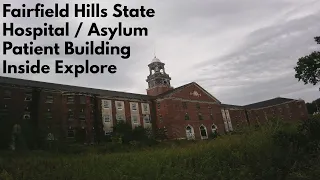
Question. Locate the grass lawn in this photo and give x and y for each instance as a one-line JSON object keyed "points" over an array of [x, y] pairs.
{"points": [[252, 154]]}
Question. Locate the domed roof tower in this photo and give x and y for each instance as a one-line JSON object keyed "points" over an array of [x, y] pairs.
{"points": [[158, 80]]}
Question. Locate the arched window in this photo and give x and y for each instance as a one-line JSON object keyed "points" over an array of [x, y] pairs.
{"points": [[203, 132], [214, 128], [190, 132]]}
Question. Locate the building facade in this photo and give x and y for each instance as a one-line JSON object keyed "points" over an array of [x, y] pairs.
{"points": [[186, 112]]}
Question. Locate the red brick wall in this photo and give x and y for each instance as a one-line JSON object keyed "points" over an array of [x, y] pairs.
{"points": [[158, 90], [238, 117], [292, 111], [173, 113]]}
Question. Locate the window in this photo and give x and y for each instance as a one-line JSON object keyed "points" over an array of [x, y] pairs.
{"points": [[26, 116], [186, 117], [146, 119], [211, 116], [135, 119], [7, 94], [70, 115], [82, 100], [49, 99], [119, 105], [27, 109], [134, 106], [82, 117], [5, 108], [158, 105], [203, 132], [106, 118], [184, 105], [198, 106], [70, 99], [190, 133], [48, 115], [120, 117], [28, 97], [105, 104], [214, 128], [71, 133], [145, 107], [160, 118], [200, 116]]}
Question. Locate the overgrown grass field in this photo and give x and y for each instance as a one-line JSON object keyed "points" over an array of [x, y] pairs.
{"points": [[271, 152]]}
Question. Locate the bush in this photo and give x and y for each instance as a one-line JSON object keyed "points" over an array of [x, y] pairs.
{"points": [[273, 151]]}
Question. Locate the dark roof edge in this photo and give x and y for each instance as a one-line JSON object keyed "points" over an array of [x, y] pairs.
{"points": [[64, 87]]}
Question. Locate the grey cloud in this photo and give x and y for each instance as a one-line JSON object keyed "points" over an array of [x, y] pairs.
{"points": [[256, 62]]}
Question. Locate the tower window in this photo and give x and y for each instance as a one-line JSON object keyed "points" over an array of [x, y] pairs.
{"points": [[211, 116], [158, 105], [198, 106]]}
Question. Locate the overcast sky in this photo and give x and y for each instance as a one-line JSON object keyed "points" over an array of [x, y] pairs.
{"points": [[240, 51]]}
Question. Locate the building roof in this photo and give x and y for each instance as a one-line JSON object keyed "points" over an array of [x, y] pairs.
{"points": [[165, 94], [155, 59], [68, 88], [270, 102], [232, 106]]}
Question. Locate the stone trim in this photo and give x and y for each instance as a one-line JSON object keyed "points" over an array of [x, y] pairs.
{"points": [[186, 100]]}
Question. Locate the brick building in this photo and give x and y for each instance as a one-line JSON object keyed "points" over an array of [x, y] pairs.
{"points": [[186, 112]]}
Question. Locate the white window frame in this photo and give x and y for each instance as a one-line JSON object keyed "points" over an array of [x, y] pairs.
{"points": [[144, 119], [119, 105], [215, 129], [136, 117], [205, 128], [120, 117], [134, 106], [104, 103]]}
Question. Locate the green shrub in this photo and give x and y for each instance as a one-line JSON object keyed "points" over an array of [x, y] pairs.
{"points": [[273, 151]]}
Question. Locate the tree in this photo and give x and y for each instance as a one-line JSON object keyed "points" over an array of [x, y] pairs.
{"points": [[308, 67], [314, 106]]}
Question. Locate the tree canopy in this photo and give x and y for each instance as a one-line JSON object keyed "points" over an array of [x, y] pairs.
{"points": [[308, 67]]}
